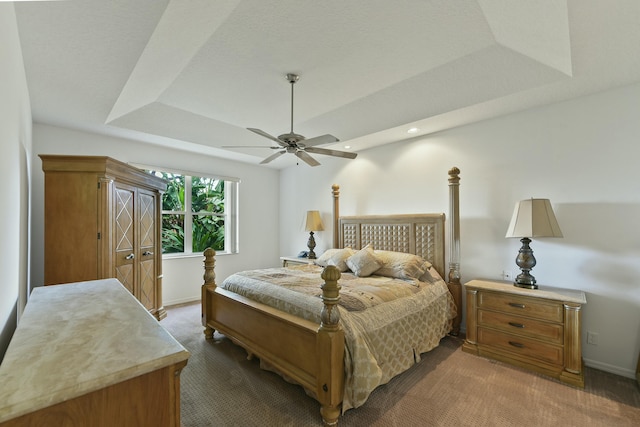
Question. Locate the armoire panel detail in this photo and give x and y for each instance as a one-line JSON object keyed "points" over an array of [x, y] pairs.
{"points": [[102, 220]]}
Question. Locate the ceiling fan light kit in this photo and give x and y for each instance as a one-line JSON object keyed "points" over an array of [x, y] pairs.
{"points": [[296, 144]]}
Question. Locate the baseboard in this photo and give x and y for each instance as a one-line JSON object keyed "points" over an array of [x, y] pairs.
{"points": [[628, 373], [181, 301]]}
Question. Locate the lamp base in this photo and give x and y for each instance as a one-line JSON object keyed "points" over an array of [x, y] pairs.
{"points": [[525, 281], [526, 261], [311, 244]]}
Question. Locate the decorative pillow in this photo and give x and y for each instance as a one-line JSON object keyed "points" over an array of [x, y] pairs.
{"points": [[335, 257], [340, 259], [401, 265], [364, 262], [323, 259]]}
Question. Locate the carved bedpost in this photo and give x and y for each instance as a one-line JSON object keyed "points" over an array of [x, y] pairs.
{"points": [[330, 341], [335, 190], [209, 284], [454, 245]]}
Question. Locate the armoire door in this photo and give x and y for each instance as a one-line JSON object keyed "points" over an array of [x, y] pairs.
{"points": [[124, 235], [115, 232], [147, 260]]}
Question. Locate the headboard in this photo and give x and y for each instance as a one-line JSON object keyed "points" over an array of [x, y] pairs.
{"points": [[420, 234]]}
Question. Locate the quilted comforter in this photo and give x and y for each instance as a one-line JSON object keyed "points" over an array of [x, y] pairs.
{"points": [[387, 322]]}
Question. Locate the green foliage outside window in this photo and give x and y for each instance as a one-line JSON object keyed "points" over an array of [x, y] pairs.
{"points": [[208, 231], [207, 213], [207, 196], [172, 234]]}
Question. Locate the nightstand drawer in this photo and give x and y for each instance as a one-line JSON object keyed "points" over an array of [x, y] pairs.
{"points": [[537, 329], [522, 306], [551, 332], [521, 346]]}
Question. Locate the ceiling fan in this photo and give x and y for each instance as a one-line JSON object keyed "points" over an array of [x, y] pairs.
{"points": [[297, 144]]}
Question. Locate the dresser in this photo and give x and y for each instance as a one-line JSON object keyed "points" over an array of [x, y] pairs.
{"points": [[72, 362], [102, 218], [536, 329]]}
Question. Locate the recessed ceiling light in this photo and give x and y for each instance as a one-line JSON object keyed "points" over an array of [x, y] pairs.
{"points": [[413, 130], [347, 146]]}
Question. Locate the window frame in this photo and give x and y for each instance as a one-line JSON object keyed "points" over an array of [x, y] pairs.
{"points": [[230, 216]]}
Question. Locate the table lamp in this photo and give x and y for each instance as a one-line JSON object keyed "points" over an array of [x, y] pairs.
{"points": [[531, 218], [313, 223]]}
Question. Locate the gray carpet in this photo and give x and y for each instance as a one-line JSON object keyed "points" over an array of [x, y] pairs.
{"points": [[220, 387]]}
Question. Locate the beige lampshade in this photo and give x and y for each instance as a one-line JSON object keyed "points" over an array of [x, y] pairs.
{"points": [[533, 218], [314, 222]]}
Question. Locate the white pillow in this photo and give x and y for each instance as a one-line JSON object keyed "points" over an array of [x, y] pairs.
{"points": [[364, 262], [337, 257], [323, 259], [401, 265]]}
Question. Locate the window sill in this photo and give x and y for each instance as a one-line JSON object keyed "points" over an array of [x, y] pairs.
{"points": [[191, 255]]}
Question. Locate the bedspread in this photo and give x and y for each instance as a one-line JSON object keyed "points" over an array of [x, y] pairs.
{"points": [[387, 322]]}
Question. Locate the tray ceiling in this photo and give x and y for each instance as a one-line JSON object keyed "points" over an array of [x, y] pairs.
{"points": [[194, 74]]}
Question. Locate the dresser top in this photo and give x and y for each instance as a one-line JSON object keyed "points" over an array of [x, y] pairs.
{"points": [[545, 292], [77, 338]]}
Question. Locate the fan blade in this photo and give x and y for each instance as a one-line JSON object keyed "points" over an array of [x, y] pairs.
{"points": [[250, 146], [266, 135], [335, 153], [273, 157], [319, 140], [307, 158]]}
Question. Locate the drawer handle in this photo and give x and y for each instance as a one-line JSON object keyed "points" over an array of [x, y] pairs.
{"points": [[516, 325], [516, 305], [147, 253], [516, 344], [130, 256]]}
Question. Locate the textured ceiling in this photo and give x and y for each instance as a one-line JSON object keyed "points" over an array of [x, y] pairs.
{"points": [[194, 74]]}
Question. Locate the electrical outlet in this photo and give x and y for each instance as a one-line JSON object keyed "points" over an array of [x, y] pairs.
{"points": [[506, 275], [592, 338]]}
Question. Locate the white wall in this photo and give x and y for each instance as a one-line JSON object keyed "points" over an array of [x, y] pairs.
{"points": [[15, 147], [259, 204], [581, 154]]}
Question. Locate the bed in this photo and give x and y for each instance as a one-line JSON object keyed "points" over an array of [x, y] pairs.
{"points": [[313, 344]]}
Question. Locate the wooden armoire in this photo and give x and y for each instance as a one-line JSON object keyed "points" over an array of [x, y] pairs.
{"points": [[103, 219]]}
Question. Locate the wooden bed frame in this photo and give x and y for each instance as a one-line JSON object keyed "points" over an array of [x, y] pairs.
{"points": [[312, 354]]}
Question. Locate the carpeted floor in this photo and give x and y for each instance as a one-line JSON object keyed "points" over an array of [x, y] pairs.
{"points": [[220, 387]]}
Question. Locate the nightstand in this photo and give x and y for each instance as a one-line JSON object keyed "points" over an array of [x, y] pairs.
{"points": [[536, 329], [292, 260]]}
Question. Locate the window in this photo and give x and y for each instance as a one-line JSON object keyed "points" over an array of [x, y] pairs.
{"points": [[198, 212]]}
